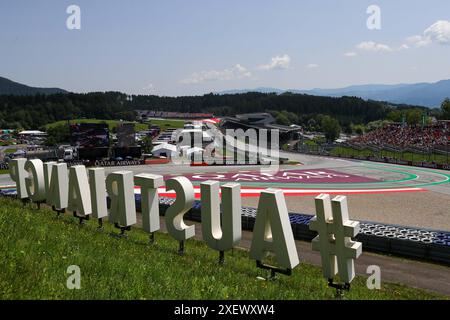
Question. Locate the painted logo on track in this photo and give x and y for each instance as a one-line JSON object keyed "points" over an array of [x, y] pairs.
{"points": [[287, 176]]}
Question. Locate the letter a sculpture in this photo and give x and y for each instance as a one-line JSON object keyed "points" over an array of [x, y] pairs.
{"points": [[334, 242]]}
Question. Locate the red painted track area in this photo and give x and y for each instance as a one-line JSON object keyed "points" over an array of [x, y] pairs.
{"points": [[297, 182], [283, 176]]}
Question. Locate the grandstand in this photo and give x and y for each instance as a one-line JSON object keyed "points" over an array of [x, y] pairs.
{"points": [[423, 146], [145, 115], [399, 136]]}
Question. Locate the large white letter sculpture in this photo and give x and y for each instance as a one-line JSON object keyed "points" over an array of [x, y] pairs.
{"points": [[149, 184], [79, 194], [48, 174], [35, 183], [17, 173], [174, 214], [98, 192], [334, 242], [272, 231], [217, 237], [58, 187], [120, 188]]}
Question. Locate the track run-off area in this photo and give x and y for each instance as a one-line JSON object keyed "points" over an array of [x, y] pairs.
{"points": [[379, 192], [314, 175], [366, 178]]}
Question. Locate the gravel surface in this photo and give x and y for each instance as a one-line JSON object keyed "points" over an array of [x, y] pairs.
{"points": [[429, 210]]}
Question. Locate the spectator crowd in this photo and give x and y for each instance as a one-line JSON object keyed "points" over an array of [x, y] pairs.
{"points": [[406, 136]]}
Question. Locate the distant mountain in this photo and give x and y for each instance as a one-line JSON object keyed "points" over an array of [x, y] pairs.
{"points": [[420, 94], [259, 90], [14, 88]]}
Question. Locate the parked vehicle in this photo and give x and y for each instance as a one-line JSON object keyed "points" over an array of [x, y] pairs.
{"points": [[70, 154]]}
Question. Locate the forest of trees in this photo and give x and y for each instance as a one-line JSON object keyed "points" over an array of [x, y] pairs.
{"points": [[35, 111], [345, 109]]}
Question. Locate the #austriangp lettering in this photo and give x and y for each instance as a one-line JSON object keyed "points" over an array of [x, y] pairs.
{"points": [[83, 191]]}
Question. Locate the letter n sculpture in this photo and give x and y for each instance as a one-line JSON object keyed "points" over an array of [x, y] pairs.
{"points": [[334, 242]]}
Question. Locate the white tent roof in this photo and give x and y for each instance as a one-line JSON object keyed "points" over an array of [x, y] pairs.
{"points": [[37, 132], [165, 146], [194, 150]]}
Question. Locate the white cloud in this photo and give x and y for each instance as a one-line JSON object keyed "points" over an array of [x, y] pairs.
{"points": [[371, 46], [278, 62], [374, 47], [236, 72], [312, 66], [418, 41], [350, 54], [438, 32]]}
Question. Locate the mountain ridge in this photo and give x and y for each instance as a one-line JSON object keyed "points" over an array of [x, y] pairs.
{"points": [[9, 87], [427, 94]]}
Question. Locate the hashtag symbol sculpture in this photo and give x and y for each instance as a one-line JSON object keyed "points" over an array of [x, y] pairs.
{"points": [[337, 250]]}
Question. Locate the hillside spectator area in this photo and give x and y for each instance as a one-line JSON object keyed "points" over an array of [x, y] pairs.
{"points": [[406, 136]]}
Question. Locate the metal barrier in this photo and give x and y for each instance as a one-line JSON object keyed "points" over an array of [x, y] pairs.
{"points": [[380, 156]]}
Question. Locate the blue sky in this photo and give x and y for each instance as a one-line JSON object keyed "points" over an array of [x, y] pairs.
{"points": [[189, 47]]}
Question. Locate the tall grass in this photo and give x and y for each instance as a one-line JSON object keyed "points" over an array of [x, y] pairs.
{"points": [[36, 248]]}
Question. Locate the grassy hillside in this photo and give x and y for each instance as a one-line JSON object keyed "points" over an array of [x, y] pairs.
{"points": [[111, 123], [163, 124], [407, 156], [37, 248]]}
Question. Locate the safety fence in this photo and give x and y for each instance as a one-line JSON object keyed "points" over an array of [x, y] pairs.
{"points": [[433, 159]]}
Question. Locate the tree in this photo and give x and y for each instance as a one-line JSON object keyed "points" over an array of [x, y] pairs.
{"points": [[445, 108], [414, 116], [58, 134], [292, 117], [358, 129], [31, 112], [330, 128], [147, 144], [51, 141], [348, 129], [395, 116], [312, 124], [374, 125], [282, 119]]}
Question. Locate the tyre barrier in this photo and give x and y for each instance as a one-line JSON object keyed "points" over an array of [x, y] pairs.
{"points": [[431, 245], [11, 193], [397, 240]]}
